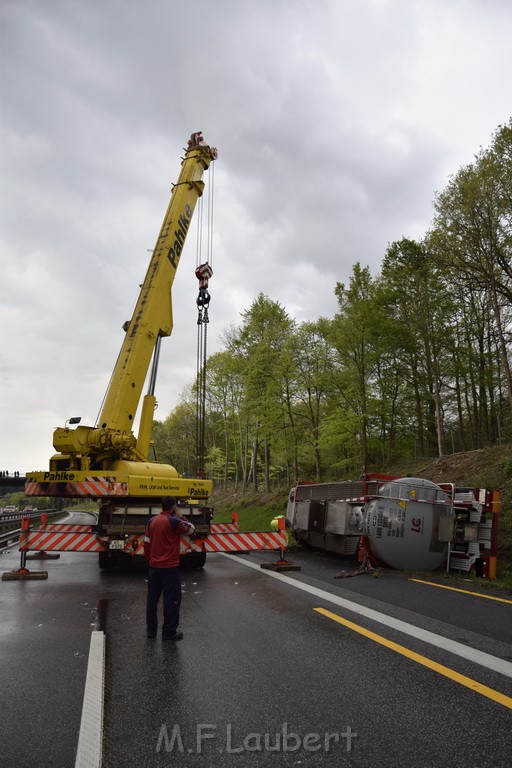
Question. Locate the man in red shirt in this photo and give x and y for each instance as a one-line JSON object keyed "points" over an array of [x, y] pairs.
{"points": [[162, 551]]}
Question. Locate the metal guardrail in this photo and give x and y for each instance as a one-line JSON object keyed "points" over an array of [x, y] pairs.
{"points": [[14, 534], [11, 537], [31, 513]]}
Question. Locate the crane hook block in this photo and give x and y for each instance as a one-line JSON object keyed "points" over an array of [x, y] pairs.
{"points": [[203, 274]]}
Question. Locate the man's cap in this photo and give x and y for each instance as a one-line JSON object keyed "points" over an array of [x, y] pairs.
{"points": [[168, 502]]}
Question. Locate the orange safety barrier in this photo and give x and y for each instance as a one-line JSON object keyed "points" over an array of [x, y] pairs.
{"points": [[60, 541], [66, 541], [224, 527]]}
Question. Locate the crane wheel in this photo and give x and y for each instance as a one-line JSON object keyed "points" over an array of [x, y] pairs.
{"points": [[106, 562]]}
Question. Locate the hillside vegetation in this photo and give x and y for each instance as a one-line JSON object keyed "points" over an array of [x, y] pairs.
{"points": [[415, 361]]}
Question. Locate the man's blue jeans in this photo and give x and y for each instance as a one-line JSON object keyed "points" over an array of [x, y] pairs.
{"points": [[168, 581]]}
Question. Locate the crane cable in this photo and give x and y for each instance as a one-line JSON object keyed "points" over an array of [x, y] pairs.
{"points": [[203, 273]]}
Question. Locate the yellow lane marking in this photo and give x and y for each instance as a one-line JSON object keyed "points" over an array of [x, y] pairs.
{"points": [[473, 685], [465, 591]]}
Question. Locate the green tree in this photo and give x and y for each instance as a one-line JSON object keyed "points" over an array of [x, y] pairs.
{"points": [[260, 343], [353, 335], [224, 392], [310, 366], [471, 237], [423, 307], [174, 438]]}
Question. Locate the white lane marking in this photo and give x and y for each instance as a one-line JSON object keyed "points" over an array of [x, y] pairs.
{"points": [[90, 740], [471, 654]]}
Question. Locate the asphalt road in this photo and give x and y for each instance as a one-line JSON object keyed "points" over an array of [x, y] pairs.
{"points": [[260, 675]]}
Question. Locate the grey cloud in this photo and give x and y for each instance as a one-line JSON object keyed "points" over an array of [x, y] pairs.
{"points": [[335, 121]]}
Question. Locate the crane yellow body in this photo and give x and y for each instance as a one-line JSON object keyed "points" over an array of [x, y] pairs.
{"points": [[107, 460]]}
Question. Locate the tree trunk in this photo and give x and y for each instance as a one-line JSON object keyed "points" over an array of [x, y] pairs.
{"points": [[266, 447], [254, 465], [502, 343]]}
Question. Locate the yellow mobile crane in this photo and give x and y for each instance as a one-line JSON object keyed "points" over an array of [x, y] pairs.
{"points": [[107, 462]]}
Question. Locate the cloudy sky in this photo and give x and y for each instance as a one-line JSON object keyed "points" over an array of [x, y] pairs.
{"points": [[336, 121]]}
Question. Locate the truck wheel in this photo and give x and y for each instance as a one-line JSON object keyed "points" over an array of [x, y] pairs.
{"points": [[104, 561]]}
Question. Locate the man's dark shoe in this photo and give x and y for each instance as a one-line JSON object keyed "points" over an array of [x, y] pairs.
{"points": [[175, 636], [151, 635]]}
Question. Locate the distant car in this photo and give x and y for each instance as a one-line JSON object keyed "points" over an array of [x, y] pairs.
{"points": [[10, 510]]}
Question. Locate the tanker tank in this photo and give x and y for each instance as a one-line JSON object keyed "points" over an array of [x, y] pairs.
{"points": [[402, 524]]}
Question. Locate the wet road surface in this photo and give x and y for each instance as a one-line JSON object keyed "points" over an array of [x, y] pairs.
{"points": [[260, 675]]}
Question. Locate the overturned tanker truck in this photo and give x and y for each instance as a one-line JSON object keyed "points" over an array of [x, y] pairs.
{"points": [[400, 522]]}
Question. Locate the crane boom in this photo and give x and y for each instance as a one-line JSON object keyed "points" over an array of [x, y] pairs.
{"points": [[107, 459], [152, 316]]}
